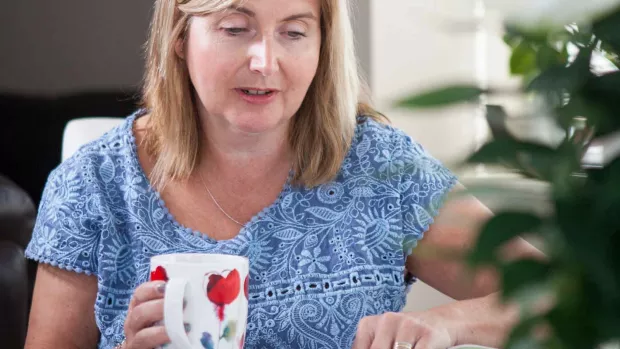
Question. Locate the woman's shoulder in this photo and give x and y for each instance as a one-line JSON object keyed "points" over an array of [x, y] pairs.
{"points": [[378, 131], [386, 151], [380, 138]]}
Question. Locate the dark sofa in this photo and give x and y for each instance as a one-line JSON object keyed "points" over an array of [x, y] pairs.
{"points": [[31, 129]]}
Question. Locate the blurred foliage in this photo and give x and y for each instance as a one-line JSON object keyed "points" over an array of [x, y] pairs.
{"points": [[581, 236]]}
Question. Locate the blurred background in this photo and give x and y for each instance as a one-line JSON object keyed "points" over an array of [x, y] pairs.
{"points": [[71, 59]]}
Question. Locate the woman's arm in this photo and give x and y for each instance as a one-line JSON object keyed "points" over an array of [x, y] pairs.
{"points": [[62, 313], [479, 317], [456, 228]]}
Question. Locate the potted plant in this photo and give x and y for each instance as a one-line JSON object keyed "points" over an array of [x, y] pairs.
{"points": [[554, 45]]}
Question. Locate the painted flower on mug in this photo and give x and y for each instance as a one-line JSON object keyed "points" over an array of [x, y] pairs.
{"points": [[246, 287], [159, 274], [206, 340], [222, 291]]}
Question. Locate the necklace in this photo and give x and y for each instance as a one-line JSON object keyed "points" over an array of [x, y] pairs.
{"points": [[216, 203]]}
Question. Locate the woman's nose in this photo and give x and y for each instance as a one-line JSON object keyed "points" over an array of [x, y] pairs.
{"points": [[263, 59]]}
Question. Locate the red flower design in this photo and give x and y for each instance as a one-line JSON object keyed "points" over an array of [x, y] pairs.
{"points": [[222, 291], [247, 287], [159, 274]]}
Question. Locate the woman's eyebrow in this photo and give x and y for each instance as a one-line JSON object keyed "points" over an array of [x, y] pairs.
{"points": [[250, 13]]}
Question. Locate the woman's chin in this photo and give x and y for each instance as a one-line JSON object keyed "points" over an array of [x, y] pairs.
{"points": [[257, 125]]}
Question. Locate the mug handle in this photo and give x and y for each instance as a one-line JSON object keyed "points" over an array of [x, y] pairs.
{"points": [[176, 290]]}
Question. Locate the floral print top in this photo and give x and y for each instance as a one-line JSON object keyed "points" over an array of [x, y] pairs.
{"points": [[321, 258]]}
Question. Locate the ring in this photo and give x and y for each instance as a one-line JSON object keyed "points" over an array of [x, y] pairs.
{"points": [[403, 345]]}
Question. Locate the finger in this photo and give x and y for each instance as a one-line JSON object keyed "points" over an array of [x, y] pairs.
{"points": [[386, 330], [148, 291], [365, 332], [407, 333], [145, 315], [150, 337]]}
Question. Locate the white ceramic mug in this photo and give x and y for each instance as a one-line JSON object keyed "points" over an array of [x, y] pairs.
{"points": [[214, 289]]}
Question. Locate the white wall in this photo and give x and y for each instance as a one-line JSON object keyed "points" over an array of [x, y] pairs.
{"points": [[420, 44]]}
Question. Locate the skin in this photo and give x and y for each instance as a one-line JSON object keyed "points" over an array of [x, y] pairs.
{"points": [[262, 46]]}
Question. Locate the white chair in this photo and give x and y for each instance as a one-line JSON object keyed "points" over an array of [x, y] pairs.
{"points": [[81, 131]]}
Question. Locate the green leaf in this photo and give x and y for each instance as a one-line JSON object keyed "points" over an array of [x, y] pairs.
{"points": [[588, 242], [600, 97], [534, 36], [533, 160], [523, 274], [500, 229], [561, 78], [554, 79], [581, 106], [529, 298], [521, 336], [547, 57], [523, 59], [607, 29], [441, 97], [511, 39], [496, 118], [571, 321]]}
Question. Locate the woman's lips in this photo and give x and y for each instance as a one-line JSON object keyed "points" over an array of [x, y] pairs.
{"points": [[257, 98]]}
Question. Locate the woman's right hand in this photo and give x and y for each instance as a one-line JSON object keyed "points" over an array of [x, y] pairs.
{"points": [[143, 325]]}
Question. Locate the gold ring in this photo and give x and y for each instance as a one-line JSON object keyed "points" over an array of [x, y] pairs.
{"points": [[403, 345]]}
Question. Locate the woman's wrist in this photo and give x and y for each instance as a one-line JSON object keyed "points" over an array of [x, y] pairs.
{"points": [[483, 321]]}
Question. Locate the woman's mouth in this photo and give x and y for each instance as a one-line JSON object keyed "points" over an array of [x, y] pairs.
{"points": [[254, 96], [257, 92]]}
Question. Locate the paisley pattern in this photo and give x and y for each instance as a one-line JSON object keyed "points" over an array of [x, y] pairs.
{"points": [[320, 258]]}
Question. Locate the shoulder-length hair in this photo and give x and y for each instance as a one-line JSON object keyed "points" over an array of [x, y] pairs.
{"points": [[320, 133]]}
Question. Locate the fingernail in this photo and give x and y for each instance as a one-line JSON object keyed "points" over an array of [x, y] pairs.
{"points": [[161, 288]]}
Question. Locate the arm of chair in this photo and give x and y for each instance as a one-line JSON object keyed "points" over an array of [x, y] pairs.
{"points": [[13, 295]]}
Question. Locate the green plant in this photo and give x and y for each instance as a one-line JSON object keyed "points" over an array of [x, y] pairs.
{"points": [[581, 236]]}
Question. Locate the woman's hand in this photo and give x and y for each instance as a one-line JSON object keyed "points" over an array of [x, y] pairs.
{"points": [[146, 309], [425, 330]]}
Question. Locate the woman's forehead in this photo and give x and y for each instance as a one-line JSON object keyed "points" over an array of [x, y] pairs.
{"points": [[258, 5]]}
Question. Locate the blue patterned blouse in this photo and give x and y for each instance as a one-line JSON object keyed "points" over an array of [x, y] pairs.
{"points": [[320, 259]]}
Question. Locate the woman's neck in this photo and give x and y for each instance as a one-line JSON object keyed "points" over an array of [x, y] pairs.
{"points": [[229, 153]]}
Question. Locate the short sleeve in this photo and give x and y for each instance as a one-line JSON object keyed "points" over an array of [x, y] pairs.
{"points": [[68, 224], [423, 186]]}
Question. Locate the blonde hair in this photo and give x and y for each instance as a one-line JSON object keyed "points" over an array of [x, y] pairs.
{"points": [[321, 132]]}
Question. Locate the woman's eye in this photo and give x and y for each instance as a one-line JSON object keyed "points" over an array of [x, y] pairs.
{"points": [[295, 35], [235, 31]]}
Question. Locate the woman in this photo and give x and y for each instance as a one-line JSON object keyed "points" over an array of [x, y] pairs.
{"points": [[252, 141]]}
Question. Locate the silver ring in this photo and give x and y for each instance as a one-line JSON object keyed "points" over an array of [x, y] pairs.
{"points": [[402, 345]]}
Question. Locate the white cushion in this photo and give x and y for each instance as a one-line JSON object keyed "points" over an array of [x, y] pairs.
{"points": [[81, 131]]}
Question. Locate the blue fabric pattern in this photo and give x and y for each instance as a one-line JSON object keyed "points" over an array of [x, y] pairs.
{"points": [[320, 258]]}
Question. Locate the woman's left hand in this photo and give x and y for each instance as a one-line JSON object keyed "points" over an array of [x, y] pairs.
{"points": [[424, 330]]}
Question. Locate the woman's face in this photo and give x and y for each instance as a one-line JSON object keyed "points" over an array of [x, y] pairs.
{"points": [[251, 66]]}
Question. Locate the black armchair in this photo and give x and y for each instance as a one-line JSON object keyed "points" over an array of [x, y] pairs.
{"points": [[17, 216]]}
